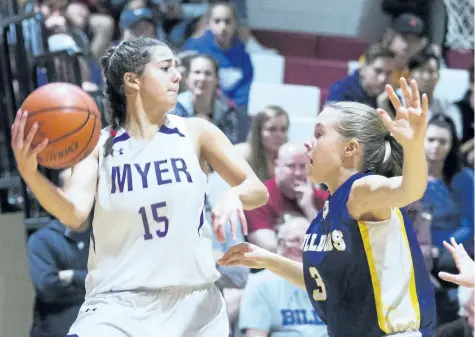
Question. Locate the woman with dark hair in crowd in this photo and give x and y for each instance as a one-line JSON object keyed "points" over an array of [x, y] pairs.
{"points": [[449, 200], [269, 129], [449, 195], [204, 99]]}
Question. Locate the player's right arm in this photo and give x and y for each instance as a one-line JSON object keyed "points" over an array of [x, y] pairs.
{"points": [[251, 256], [71, 206]]}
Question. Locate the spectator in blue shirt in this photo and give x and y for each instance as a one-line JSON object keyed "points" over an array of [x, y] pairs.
{"points": [[449, 197], [367, 83], [220, 41]]}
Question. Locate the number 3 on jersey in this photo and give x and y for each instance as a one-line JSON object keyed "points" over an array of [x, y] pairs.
{"points": [[320, 292], [160, 220]]}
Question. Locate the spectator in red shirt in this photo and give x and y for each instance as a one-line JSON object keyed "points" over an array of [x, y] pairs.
{"points": [[290, 192]]}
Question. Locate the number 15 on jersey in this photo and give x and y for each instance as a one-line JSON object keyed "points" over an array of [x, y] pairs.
{"points": [[161, 221]]}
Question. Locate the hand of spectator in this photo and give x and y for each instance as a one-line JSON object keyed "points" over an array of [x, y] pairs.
{"points": [[66, 276], [228, 208], [464, 263], [409, 126], [305, 199], [467, 149], [25, 154], [56, 23], [246, 255]]}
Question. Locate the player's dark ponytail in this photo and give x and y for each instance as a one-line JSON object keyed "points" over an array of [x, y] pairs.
{"points": [[129, 56]]}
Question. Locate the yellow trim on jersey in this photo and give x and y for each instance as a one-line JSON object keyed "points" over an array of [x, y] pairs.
{"points": [[412, 284], [384, 311], [374, 276]]}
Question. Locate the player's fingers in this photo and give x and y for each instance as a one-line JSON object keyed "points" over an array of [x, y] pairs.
{"points": [[450, 277], [242, 219], [29, 138], [15, 127], [406, 92], [388, 122], [233, 224], [221, 233], [425, 106], [393, 97], [214, 220], [416, 101], [40, 147], [21, 130], [453, 242], [448, 246]]}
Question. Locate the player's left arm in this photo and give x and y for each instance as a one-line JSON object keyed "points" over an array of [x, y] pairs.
{"points": [[376, 194], [218, 151]]}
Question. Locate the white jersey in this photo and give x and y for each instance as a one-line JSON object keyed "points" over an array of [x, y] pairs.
{"points": [[148, 229]]}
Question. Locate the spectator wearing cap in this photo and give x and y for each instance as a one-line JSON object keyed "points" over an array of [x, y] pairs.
{"points": [[405, 38], [138, 22], [432, 13], [203, 99], [367, 83]]}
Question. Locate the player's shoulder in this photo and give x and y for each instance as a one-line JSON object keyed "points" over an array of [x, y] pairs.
{"points": [[369, 181]]}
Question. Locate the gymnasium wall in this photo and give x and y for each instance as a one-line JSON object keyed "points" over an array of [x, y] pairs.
{"points": [[362, 18], [16, 290]]}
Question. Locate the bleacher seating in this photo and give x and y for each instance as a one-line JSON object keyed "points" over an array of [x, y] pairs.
{"points": [[452, 85], [320, 73], [459, 59], [268, 68], [301, 129], [313, 45], [297, 100]]}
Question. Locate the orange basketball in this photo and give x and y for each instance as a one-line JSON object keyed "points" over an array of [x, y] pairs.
{"points": [[68, 117]]}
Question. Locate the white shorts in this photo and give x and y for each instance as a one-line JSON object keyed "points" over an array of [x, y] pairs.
{"points": [[174, 312]]}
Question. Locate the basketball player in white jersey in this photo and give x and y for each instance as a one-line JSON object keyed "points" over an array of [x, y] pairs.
{"points": [[151, 265]]}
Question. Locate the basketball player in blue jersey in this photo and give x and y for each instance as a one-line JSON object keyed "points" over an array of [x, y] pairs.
{"points": [[151, 268], [362, 266]]}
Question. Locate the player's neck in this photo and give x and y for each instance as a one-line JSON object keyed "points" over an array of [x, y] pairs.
{"points": [[333, 183], [143, 123]]}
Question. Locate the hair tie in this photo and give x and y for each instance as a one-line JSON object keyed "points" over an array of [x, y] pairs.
{"points": [[113, 133], [387, 151]]}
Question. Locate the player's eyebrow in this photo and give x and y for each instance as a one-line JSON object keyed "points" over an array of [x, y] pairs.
{"points": [[170, 61]]}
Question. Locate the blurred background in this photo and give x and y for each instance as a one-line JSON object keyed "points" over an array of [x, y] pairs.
{"points": [[261, 70]]}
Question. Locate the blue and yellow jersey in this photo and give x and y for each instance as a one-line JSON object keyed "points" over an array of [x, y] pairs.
{"points": [[367, 278]]}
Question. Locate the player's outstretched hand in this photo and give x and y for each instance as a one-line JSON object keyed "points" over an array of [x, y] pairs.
{"points": [[410, 125], [464, 263], [246, 255], [228, 209], [25, 154]]}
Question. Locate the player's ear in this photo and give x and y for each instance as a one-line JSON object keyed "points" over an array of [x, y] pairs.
{"points": [[352, 147], [131, 82]]}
